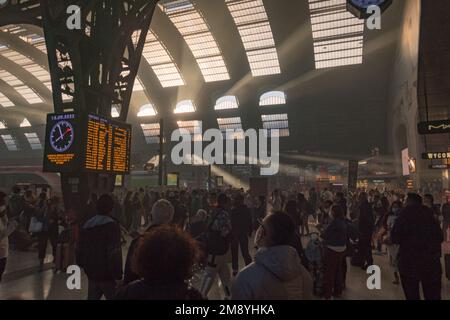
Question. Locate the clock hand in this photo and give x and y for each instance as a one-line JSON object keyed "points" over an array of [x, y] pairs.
{"points": [[61, 137], [60, 132]]}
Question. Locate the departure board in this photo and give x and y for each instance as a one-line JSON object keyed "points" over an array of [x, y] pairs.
{"points": [[90, 143], [108, 144]]}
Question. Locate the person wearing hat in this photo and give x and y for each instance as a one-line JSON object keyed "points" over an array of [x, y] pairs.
{"points": [[161, 214]]}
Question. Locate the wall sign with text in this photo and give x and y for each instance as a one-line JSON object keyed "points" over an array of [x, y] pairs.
{"points": [[436, 155], [434, 127]]}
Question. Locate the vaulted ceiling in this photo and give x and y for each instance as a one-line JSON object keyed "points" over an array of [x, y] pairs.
{"points": [[329, 74]]}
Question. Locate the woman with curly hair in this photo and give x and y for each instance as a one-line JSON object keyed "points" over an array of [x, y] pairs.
{"points": [[164, 260]]}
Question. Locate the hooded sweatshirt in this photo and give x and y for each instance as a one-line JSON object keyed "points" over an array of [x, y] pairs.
{"points": [[276, 274]]}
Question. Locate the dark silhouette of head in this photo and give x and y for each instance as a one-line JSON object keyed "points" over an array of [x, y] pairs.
{"points": [[105, 205]]}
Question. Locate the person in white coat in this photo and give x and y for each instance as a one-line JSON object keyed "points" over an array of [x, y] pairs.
{"points": [[5, 230], [277, 272]]}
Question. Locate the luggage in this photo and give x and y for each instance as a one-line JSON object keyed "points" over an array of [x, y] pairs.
{"points": [[447, 266], [314, 254], [65, 256]]}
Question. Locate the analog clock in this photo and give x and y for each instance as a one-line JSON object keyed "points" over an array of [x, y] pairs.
{"points": [[359, 7], [61, 136]]}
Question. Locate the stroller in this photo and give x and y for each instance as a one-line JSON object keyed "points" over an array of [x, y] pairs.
{"points": [[314, 254]]}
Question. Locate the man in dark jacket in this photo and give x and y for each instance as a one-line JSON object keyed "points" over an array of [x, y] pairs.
{"points": [[241, 226], [419, 235], [366, 223], [99, 251]]}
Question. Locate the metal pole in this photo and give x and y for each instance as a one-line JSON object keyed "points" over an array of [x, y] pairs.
{"points": [[161, 153]]}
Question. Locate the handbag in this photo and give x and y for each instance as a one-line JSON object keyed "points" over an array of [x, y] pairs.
{"points": [[36, 226]]}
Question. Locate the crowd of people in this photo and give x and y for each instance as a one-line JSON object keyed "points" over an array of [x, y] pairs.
{"points": [[176, 234]]}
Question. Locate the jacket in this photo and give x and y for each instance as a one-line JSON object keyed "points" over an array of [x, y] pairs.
{"points": [[241, 221], [144, 290], [419, 235], [366, 220], [336, 234], [5, 230], [276, 274], [99, 250]]}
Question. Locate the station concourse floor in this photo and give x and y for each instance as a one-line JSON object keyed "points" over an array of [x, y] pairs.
{"points": [[23, 281]]}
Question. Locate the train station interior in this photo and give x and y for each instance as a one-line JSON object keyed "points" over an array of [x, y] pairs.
{"points": [[224, 150]]}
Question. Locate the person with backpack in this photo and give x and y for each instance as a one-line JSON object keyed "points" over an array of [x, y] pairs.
{"points": [[99, 251], [218, 241]]}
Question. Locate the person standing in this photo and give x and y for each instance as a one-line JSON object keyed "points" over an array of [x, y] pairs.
{"points": [[446, 218], [99, 251], [366, 223], [392, 249], [335, 238], [277, 272], [217, 246], [6, 229], [162, 214], [419, 236], [241, 226]]}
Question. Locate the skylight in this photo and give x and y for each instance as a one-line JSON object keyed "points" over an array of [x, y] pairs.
{"points": [[33, 140], [185, 106], [254, 28], [272, 98], [338, 35], [147, 110], [25, 123], [5, 102], [26, 92], [231, 124], [10, 142], [227, 102], [193, 126], [3, 125], [195, 31], [161, 62], [151, 132], [276, 121], [25, 62], [36, 40]]}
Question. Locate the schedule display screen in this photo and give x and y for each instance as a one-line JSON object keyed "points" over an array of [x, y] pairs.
{"points": [[107, 147], [91, 143]]}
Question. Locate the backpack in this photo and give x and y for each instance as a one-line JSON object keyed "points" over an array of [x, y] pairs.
{"points": [[313, 251], [216, 244]]}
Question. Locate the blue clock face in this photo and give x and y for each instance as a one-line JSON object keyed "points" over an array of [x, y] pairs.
{"points": [[61, 136], [366, 3]]}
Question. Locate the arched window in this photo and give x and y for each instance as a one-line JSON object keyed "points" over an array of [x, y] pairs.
{"points": [[114, 112], [226, 102], [272, 98], [25, 123], [147, 110], [185, 106]]}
